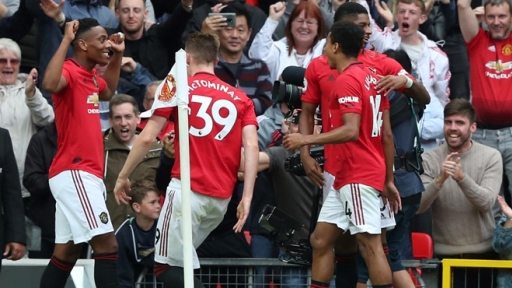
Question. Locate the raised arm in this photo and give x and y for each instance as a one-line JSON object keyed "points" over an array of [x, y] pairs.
{"points": [[467, 20], [113, 70], [53, 81]]}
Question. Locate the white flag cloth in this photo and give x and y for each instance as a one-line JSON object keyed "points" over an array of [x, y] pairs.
{"points": [[168, 94]]}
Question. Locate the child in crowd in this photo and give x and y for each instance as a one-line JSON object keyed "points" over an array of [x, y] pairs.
{"points": [[136, 236]]}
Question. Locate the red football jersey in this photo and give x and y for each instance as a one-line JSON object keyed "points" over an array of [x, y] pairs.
{"points": [[362, 161], [491, 78], [218, 112], [77, 118], [320, 82], [168, 128]]}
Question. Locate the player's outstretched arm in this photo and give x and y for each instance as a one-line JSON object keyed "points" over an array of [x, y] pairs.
{"points": [[250, 144], [349, 132], [141, 147], [53, 81]]}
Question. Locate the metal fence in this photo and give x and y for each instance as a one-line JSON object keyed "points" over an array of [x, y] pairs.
{"points": [[472, 273], [272, 273]]}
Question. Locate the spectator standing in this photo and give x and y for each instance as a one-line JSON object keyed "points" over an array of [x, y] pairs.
{"points": [[118, 142], [234, 67], [76, 173], [429, 63], [210, 146], [502, 243], [462, 179], [136, 236], [489, 54], [22, 106], [41, 207], [12, 220], [304, 39]]}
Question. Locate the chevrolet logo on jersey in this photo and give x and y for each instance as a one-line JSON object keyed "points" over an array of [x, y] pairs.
{"points": [[499, 66], [93, 99]]}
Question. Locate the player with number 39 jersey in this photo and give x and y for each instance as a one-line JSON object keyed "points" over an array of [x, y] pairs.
{"points": [[362, 160], [216, 122]]}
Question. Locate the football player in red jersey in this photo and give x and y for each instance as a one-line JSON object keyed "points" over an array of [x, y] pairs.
{"points": [[76, 173], [222, 121], [320, 82], [360, 120]]}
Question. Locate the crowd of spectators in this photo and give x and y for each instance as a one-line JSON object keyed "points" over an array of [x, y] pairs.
{"points": [[455, 49]]}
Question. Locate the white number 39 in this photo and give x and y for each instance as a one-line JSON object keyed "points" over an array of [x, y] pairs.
{"points": [[227, 122]]}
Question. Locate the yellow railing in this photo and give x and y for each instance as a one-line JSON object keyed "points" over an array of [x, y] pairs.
{"points": [[448, 264]]}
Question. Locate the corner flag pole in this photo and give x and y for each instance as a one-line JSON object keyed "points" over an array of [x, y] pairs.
{"points": [[183, 112]]}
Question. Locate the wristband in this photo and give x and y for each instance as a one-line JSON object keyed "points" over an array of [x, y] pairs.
{"points": [[409, 82]]}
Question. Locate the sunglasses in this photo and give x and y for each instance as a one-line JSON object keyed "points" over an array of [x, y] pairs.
{"points": [[4, 61]]}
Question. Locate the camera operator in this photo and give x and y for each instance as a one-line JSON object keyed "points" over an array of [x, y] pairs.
{"points": [[293, 194]]}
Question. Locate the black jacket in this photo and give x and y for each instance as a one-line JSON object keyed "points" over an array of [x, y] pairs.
{"points": [[40, 152], [157, 48], [18, 25], [12, 218]]}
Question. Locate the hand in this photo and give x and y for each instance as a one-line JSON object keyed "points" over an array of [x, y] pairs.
{"points": [[217, 8], [313, 170], [117, 42], [391, 194], [169, 145], [242, 212], [444, 174], [128, 64], [148, 24], [390, 83], [122, 187], [30, 85], [70, 30], [187, 3], [52, 9], [16, 251], [293, 141], [284, 127], [385, 13], [213, 24], [240, 175], [479, 13], [453, 168], [428, 6], [276, 10], [505, 209]]}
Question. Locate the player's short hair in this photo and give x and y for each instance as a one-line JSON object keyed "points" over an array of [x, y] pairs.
{"points": [[84, 25], [203, 47], [348, 11], [349, 36], [418, 3], [460, 106], [11, 46], [498, 3], [121, 99], [401, 57], [239, 10], [140, 190]]}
